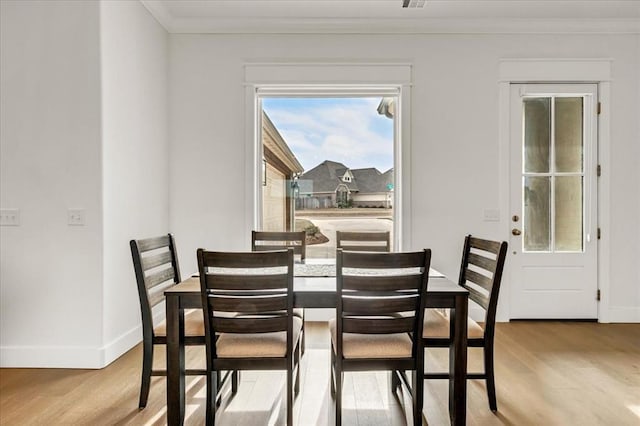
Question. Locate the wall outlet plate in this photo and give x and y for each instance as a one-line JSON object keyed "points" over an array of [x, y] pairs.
{"points": [[9, 217], [76, 217]]}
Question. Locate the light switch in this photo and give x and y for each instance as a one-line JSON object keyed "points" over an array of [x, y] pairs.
{"points": [[9, 217], [76, 217], [491, 215]]}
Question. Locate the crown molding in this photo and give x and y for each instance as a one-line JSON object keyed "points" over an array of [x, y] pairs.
{"points": [[368, 26]]}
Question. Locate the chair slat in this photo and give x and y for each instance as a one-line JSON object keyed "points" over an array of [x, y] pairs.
{"points": [[278, 236], [378, 325], [257, 324], [482, 262], [156, 294], [264, 247], [245, 260], [380, 305], [248, 304], [381, 283], [364, 236], [486, 245], [361, 241], [479, 279], [246, 282], [156, 260], [353, 259], [159, 277], [363, 247], [478, 297], [153, 243]]}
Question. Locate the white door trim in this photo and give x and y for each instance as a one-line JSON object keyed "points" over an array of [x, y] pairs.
{"points": [[558, 70]]}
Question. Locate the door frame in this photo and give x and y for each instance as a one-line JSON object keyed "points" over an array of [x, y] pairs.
{"points": [[574, 298], [552, 71]]}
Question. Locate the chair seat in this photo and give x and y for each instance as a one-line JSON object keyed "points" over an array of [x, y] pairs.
{"points": [[298, 312], [358, 346], [436, 326], [193, 324], [256, 345]]}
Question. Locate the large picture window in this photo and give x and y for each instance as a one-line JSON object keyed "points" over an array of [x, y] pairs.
{"points": [[329, 164]]}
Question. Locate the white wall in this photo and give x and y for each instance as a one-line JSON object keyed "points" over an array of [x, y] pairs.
{"points": [[638, 175], [84, 125], [454, 134], [134, 50], [50, 273], [67, 294]]}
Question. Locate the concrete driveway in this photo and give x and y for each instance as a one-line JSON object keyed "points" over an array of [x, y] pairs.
{"points": [[329, 225]]}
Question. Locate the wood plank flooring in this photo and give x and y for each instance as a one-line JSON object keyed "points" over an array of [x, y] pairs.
{"points": [[548, 373]]}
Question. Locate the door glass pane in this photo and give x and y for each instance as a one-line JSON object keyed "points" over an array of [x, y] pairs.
{"points": [[568, 134], [537, 213], [537, 135], [568, 214]]}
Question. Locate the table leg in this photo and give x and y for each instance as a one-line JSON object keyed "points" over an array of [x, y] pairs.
{"points": [[458, 362], [175, 361]]}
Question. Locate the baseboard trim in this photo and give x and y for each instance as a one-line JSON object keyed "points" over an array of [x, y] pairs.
{"points": [[89, 357], [50, 357], [624, 314], [121, 345]]}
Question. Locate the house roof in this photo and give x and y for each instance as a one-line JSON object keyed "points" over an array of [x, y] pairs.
{"points": [[327, 176], [273, 141], [372, 180]]}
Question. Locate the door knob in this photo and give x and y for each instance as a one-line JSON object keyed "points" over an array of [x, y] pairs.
{"points": [[515, 231]]}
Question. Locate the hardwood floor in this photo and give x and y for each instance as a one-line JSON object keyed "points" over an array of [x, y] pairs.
{"points": [[547, 373]]}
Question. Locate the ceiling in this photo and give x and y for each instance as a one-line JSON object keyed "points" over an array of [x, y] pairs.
{"points": [[388, 16]]}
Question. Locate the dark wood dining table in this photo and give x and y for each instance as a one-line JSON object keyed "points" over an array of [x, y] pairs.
{"points": [[313, 289]]}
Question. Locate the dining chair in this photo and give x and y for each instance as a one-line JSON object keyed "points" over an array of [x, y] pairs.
{"points": [[270, 240], [156, 267], [480, 273], [262, 333], [364, 240], [379, 319]]}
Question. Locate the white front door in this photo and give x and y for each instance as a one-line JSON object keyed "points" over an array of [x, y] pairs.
{"points": [[553, 199]]}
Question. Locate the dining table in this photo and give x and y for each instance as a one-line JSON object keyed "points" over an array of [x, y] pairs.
{"points": [[314, 286]]}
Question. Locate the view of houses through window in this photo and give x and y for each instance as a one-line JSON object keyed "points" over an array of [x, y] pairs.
{"points": [[328, 166]]}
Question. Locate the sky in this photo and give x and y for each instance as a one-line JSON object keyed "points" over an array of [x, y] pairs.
{"points": [[346, 130]]}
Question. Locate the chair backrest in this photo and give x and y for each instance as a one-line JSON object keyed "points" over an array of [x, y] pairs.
{"points": [[481, 273], [269, 240], [364, 241], [256, 286], [155, 263], [381, 293]]}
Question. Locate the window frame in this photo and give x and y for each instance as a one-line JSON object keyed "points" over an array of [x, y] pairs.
{"points": [[330, 77]]}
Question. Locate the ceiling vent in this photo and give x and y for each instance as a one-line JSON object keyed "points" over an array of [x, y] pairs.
{"points": [[413, 3]]}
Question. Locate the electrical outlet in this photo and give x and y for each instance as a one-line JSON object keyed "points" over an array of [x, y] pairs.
{"points": [[9, 217], [76, 217]]}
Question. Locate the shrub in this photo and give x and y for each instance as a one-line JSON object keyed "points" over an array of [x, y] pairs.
{"points": [[311, 230]]}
